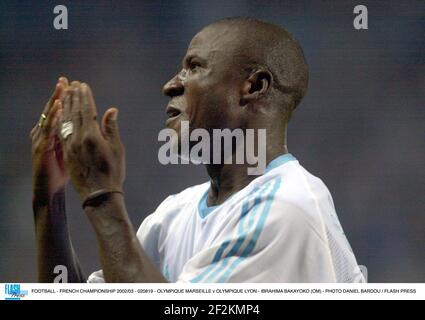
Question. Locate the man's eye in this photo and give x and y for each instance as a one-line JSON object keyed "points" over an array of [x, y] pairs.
{"points": [[194, 65]]}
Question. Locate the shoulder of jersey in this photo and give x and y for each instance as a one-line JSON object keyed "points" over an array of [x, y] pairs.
{"points": [[183, 197], [304, 192]]}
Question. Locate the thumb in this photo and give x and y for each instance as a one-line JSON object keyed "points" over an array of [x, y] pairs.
{"points": [[110, 124]]}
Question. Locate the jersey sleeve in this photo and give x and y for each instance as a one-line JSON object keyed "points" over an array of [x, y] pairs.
{"points": [[272, 241]]}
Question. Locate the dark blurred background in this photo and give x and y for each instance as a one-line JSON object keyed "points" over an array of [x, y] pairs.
{"points": [[360, 127]]}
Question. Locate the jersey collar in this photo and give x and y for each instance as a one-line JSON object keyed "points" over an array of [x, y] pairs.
{"points": [[204, 210]]}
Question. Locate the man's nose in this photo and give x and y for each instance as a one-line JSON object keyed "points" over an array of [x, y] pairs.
{"points": [[174, 87]]}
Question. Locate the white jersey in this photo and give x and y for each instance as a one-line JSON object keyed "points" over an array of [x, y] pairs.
{"points": [[282, 227]]}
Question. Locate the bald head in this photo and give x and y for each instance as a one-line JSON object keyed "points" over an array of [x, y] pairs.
{"points": [[239, 73], [253, 45]]}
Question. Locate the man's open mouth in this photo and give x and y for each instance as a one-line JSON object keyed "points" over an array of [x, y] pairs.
{"points": [[172, 112]]}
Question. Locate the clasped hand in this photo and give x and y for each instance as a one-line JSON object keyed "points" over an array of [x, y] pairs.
{"points": [[93, 153]]}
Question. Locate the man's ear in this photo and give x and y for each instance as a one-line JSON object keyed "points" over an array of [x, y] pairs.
{"points": [[256, 86]]}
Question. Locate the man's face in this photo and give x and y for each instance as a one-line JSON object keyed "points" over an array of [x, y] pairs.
{"points": [[207, 90]]}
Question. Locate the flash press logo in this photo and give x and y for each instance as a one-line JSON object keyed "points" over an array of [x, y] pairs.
{"points": [[13, 291]]}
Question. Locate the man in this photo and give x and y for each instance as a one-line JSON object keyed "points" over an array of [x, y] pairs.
{"points": [[280, 226]]}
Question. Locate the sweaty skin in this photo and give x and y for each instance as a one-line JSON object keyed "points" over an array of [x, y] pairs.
{"points": [[228, 80]]}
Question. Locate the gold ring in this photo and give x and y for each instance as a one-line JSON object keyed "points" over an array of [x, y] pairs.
{"points": [[43, 117]]}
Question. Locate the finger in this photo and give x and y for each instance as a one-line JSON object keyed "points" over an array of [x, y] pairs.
{"points": [[59, 143], [76, 108], [65, 114], [65, 84], [60, 116], [64, 81], [49, 127], [67, 105], [110, 125], [89, 112], [33, 131], [56, 94], [53, 133]]}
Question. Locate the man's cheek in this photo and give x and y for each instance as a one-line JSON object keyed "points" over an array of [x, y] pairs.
{"points": [[194, 105]]}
